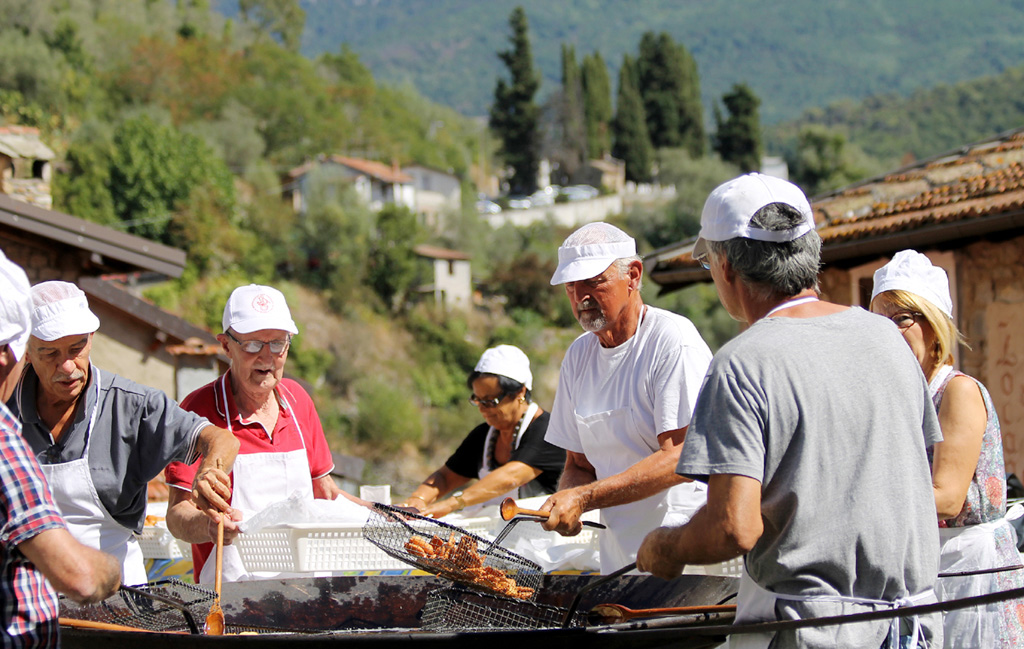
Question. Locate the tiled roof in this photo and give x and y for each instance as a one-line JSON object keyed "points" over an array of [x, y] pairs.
{"points": [[975, 190], [435, 252], [379, 170]]}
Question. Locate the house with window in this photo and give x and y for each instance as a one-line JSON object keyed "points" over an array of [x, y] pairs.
{"points": [[25, 165], [376, 183], [965, 211], [453, 282], [437, 192]]}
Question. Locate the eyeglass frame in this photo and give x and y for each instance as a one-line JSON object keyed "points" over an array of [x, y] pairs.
{"points": [[488, 403], [242, 344], [914, 316]]}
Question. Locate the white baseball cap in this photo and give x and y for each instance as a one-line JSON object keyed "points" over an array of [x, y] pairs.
{"points": [[729, 208], [506, 360], [588, 260], [15, 306], [254, 308], [911, 271], [61, 309]]}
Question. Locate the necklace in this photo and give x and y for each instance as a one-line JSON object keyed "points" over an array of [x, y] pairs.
{"points": [[492, 442]]}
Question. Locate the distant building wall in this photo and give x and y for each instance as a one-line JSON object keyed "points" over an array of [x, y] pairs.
{"points": [[564, 214], [453, 283]]}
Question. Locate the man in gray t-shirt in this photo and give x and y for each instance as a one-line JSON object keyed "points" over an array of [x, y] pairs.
{"points": [[810, 430]]}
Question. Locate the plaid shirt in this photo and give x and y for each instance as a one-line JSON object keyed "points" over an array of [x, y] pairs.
{"points": [[28, 604]]}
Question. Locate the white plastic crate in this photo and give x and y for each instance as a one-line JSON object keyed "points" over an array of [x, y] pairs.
{"points": [[156, 542], [730, 568]]}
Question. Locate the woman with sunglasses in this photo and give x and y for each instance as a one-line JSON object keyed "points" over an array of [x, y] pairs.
{"points": [[507, 454], [968, 473]]}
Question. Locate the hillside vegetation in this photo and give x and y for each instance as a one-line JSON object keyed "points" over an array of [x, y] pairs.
{"points": [[794, 54]]}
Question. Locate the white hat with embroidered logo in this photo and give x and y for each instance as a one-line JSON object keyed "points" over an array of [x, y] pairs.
{"points": [[913, 272], [730, 207], [506, 360], [15, 306], [590, 250], [255, 308], [61, 309]]}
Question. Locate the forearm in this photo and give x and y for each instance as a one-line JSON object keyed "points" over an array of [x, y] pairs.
{"points": [[651, 475], [185, 521], [84, 574], [218, 448], [439, 483]]}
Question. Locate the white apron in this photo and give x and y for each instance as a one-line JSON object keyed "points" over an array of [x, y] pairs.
{"points": [[260, 480], [757, 604], [612, 444], [967, 549], [492, 433], [79, 503]]}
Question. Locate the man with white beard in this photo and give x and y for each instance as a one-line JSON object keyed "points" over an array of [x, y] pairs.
{"points": [[626, 392]]}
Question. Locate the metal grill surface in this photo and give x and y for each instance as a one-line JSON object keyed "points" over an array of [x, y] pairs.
{"points": [[458, 609]]}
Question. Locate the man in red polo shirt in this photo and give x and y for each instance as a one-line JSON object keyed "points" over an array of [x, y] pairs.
{"points": [[282, 444]]}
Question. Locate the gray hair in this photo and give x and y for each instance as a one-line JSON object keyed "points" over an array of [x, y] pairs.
{"points": [[601, 232], [774, 270]]}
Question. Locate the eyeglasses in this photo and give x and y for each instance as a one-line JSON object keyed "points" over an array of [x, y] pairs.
{"points": [[905, 319], [277, 347], [486, 403], [704, 263]]}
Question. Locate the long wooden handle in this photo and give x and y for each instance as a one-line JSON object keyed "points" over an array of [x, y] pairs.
{"points": [[619, 612], [220, 555], [106, 626]]}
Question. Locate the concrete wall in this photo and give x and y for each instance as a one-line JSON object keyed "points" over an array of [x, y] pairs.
{"points": [[453, 283], [565, 214]]}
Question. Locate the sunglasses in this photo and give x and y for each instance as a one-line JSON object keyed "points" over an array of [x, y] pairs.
{"points": [[486, 403], [277, 347]]}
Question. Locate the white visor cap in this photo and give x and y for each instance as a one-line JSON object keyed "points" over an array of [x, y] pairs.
{"points": [[911, 271], [731, 206], [506, 360], [61, 309], [15, 306], [255, 308], [576, 263]]}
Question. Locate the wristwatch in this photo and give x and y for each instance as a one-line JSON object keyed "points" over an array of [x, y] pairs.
{"points": [[459, 499]]}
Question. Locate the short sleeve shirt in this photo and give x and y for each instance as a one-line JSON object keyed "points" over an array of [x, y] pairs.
{"points": [[832, 415], [532, 451], [138, 431], [28, 604]]}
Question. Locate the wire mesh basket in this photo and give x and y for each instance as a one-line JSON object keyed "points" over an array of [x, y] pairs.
{"points": [[452, 552], [459, 609], [165, 606]]}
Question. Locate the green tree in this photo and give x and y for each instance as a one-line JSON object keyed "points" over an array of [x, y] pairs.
{"points": [[84, 188], [393, 264], [632, 141], [284, 20], [824, 160], [597, 92], [738, 136], [670, 86], [514, 114], [573, 149]]}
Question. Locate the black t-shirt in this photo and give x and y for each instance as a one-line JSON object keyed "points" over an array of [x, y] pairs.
{"points": [[532, 451]]}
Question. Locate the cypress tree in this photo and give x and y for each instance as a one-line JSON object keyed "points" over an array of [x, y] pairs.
{"points": [[738, 136], [574, 136], [597, 93], [670, 87], [514, 115], [632, 142]]}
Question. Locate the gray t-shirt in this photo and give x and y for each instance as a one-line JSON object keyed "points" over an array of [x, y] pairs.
{"points": [[138, 431], [832, 415]]}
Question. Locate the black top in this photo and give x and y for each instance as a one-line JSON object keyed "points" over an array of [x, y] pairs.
{"points": [[533, 451]]}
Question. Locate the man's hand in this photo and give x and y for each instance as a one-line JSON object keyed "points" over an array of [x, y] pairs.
{"points": [[656, 554], [564, 510], [231, 530], [211, 492]]}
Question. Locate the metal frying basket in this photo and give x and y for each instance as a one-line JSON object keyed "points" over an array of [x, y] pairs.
{"points": [[165, 606], [452, 552], [456, 608]]}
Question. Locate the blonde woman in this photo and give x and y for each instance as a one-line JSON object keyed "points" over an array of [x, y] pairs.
{"points": [[968, 473]]}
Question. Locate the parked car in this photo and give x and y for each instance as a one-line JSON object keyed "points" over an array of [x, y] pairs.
{"points": [[544, 196], [485, 206], [579, 192], [519, 202]]}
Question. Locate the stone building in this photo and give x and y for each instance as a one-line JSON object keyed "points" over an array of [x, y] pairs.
{"points": [[376, 183], [965, 210], [453, 281], [25, 165]]}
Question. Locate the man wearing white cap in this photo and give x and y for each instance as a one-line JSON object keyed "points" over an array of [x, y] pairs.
{"points": [[626, 391], [283, 448], [811, 432], [100, 438], [37, 553]]}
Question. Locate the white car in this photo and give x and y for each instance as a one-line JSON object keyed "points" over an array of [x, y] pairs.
{"points": [[485, 206]]}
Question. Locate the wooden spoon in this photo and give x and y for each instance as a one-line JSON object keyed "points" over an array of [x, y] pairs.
{"points": [[613, 613], [215, 618], [106, 626], [510, 510]]}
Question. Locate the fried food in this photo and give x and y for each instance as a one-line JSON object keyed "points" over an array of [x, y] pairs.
{"points": [[152, 520], [458, 559]]}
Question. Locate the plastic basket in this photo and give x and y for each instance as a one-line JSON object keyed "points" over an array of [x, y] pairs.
{"points": [[310, 547], [730, 568], [156, 542]]}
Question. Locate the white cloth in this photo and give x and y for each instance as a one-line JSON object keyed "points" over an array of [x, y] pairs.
{"points": [[260, 480], [492, 434], [87, 519], [612, 404]]}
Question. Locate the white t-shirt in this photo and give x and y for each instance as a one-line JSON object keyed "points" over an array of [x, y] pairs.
{"points": [[656, 374]]}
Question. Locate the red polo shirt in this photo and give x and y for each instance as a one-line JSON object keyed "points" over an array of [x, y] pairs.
{"points": [[296, 406]]}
